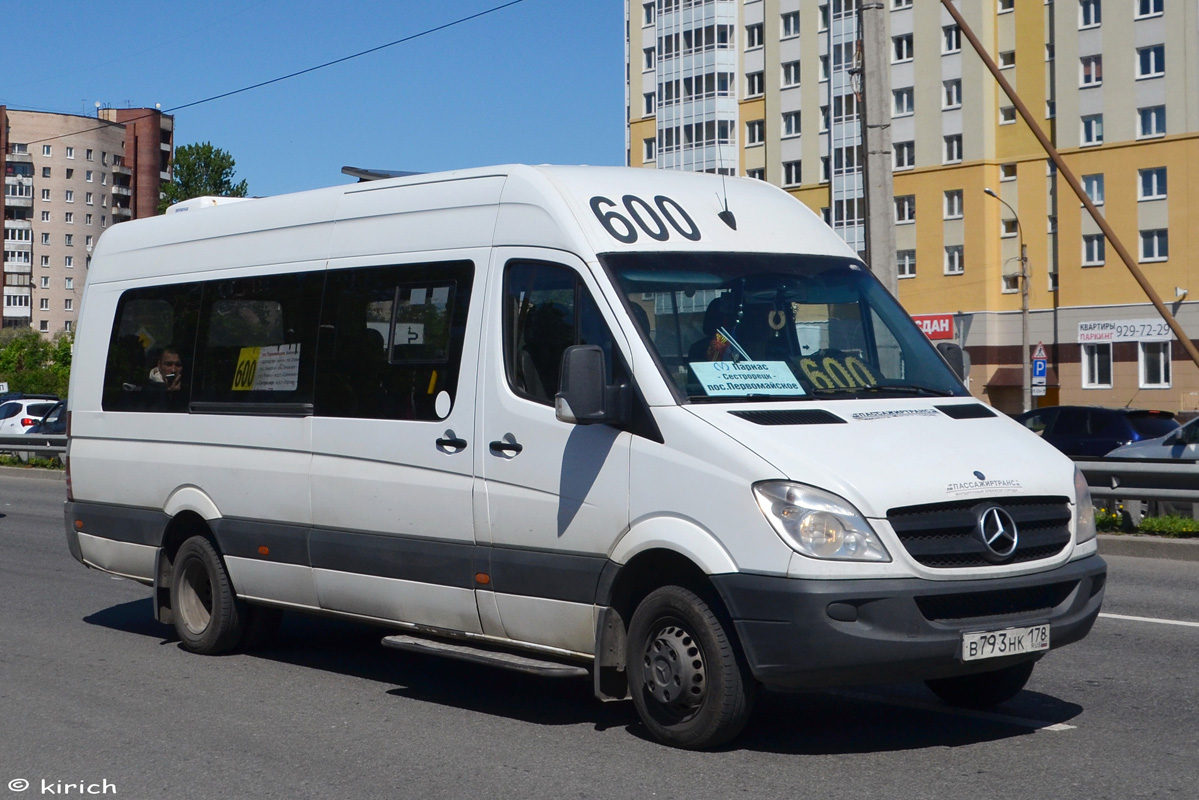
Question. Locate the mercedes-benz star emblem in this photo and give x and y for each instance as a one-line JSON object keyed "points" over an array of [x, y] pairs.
{"points": [[998, 532]]}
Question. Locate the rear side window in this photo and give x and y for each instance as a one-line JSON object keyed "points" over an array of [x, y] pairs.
{"points": [[391, 341], [38, 409], [152, 325], [1152, 426]]}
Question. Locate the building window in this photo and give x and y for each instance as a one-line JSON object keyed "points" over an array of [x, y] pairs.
{"points": [[648, 104], [905, 260], [953, 260], [647, 59], [951, 39], [953, 148], [953, 204], [47, 150], [905, 209], [1090, 13], [898, 4], [1097, 366], [647, 14], [790, 24], [87, 220], [901, 48], [1092, 129], [1091, 70], [753, 36], [1152, 183], [754, 84], [45, 238], [68, 304], [1006, 5], [1010, 228], [1007, 115], [904, 155], [1050, 109], [1149, 8], [1050, 52], [45, 262], [46, 278], [70, 196], [1007, 59], [792, 173], [953, 94], [823, 9], [1093, 186], [758, 174], [1151, 61], [649, 149], [1155, 245], [69, 218], [1092, 250], [1007, 172], [791, 123], [903, 102], [45, 194], [69, 284], [1011, 284], [1152, 122], [1154, 358], [43, 304], [69, 240], [791, 73], [755, 132]]}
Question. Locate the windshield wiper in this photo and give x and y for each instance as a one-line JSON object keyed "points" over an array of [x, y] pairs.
{"points": [[902, 388]]}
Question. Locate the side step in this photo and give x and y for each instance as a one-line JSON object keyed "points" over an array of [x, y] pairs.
{"points": [[494, 658]]}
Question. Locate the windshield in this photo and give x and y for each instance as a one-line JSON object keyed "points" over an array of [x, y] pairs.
{"points": [[736, 326]]}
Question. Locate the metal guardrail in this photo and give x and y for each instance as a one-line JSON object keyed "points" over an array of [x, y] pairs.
{"points": [[45, 445], [1172, 480]]}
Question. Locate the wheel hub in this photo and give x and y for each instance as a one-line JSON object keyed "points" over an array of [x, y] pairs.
{"points": [[674, 668]]}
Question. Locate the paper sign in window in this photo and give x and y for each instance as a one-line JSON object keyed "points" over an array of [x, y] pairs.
{"points": [[741, 378], [268, 369]]}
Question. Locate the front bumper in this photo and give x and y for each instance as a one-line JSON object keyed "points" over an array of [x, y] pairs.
{"points": [[813, 633]]}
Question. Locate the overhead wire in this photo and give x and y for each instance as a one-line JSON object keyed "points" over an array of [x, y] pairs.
{"points": [[296, 74]]}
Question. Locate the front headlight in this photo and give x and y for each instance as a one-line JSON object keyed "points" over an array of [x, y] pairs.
{"points": [[817, 523], [1084, 509]]}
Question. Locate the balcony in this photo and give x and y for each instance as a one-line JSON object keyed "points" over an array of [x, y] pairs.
{"points": [[121, 169], [19, 158], [123, 191], [119, 214]]}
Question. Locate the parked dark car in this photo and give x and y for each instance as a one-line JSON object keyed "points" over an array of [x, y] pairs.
{"points": [[1091, 431]]}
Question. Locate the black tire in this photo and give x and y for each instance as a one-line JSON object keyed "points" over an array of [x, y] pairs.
{"points": [[688, 683], [983, 689], [208, 617]]}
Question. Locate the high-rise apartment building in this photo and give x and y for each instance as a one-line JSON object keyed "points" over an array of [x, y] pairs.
{"points": [[66, 179], [771, 89]]}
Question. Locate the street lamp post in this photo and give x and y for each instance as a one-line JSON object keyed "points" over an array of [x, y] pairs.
{"points": [[1025, 356]]}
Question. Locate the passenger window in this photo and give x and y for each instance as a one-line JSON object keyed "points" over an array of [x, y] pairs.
{"points": [[152, 326], [391, 340], [257, 340], [547, 309]]}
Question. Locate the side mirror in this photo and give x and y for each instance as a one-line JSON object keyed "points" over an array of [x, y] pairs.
{"points": [[957, 358], [584, 398]]}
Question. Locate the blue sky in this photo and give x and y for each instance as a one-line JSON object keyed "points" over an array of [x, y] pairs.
{"points": [[539, 82]]}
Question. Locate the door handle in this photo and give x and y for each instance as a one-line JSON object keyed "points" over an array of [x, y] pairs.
{"points": [[451, 443], [508, 448]]}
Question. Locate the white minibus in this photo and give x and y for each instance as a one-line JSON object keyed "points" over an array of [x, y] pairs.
{"points": [[663, 429]]}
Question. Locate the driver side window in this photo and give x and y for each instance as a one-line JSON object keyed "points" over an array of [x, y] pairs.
{"points": [[547, 309]]}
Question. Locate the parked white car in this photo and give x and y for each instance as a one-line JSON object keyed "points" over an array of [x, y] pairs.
{"points": [[1181, 444], [18, 416]]}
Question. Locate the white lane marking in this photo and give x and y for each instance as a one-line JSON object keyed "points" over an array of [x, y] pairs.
{"points": [[986, 716], [1152, 619]]}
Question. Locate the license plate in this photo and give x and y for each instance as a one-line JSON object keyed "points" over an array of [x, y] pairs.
{"points": [[1007, 642]]}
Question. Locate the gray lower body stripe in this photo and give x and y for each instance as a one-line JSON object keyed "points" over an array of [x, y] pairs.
{"points": [[571, 577]]}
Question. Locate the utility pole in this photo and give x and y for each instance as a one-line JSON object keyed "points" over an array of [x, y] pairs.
{"points": [[875, 97]]}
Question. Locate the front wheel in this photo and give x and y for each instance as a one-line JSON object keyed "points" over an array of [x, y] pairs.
{"points": [[208, 617], [983, 689], [688, 684]]}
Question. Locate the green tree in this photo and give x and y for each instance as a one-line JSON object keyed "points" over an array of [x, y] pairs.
{"points": [[200, 170], [29, 363]]}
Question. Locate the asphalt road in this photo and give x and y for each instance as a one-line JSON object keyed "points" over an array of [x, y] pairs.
{"points": [[94, 692]]}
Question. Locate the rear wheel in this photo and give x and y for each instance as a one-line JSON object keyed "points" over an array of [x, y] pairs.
{"points": [[983, 689], [688, 684], [208, 617]]}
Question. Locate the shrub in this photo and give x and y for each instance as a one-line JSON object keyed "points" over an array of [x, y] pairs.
{"points": [[1173, 526]]}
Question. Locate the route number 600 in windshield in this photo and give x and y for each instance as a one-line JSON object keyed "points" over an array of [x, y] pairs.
{"points": [[655, 221]]}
